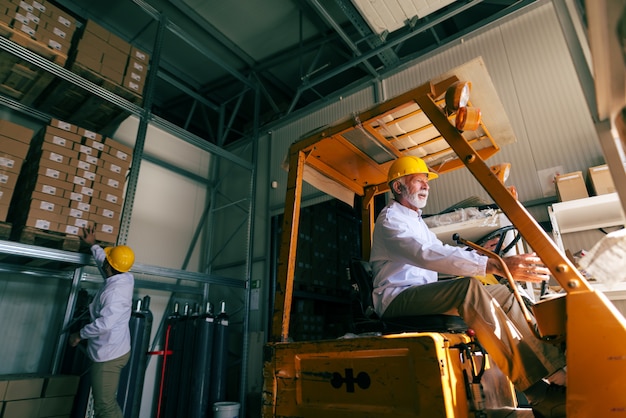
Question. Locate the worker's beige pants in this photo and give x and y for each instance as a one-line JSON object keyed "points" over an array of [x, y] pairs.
{"points": [[105, 379], [496, 317]]}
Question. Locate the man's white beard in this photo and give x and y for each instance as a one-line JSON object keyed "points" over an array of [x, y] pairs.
{"points": [[414, 198], [416, 201]]}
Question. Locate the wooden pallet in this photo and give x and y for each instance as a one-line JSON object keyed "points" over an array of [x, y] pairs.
{"points": [[50, 239], [33, 45], [5, 230], [100, 80]]}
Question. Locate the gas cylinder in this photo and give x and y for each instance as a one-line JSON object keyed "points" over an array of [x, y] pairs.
{"points": [[133, 374]]}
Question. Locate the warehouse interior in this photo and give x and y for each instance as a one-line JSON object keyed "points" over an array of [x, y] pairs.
{"points": [[222, 90]]}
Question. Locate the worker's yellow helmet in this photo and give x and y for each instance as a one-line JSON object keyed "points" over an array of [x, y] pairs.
{"points": [[406, 165], [121, 257]]}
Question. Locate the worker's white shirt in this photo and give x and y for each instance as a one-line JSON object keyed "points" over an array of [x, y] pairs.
{"points": [[406, 253], [108, 335]]}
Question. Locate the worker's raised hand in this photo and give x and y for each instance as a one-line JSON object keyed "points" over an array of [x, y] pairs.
{"points": [[88, 235], [527, 268], [523, 267], [74, 339]]}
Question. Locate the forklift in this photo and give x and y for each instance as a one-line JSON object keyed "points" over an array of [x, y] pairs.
{"points": [[431, 373]]}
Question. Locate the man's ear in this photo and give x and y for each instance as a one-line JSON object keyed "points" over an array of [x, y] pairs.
{"points": [[395, 187]]}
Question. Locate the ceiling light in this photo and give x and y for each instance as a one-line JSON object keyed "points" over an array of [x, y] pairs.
{"points": [[457, 95], [468, 118]]}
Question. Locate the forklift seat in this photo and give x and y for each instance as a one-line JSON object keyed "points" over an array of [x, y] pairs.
{"points": [[362, 282]]}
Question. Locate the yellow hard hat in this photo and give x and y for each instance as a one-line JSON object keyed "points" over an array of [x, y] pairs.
{"points": [[406, 165], [121, 257]]}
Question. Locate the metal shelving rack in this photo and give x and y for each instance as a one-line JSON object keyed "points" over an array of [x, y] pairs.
{"points": [[78, 261]]}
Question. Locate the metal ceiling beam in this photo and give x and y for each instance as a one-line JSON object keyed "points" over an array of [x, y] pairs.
{"points": [[214, 32], [176, 30], [310, 84], [337, 28], [387, 56]]}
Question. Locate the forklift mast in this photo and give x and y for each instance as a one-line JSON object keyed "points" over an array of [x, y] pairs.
{"points": [[356, 153]]}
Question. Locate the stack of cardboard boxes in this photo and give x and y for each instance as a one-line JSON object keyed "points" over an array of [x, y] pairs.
{"points": [[572, 186], [73, 177], [44, 29], [111, 57], [14, 144], [34, 396], [39, 21]]}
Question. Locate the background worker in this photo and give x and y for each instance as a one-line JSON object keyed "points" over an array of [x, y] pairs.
{"points": [[108, 334], [406, 258]]}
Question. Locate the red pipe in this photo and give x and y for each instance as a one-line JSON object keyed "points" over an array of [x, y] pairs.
{"points": [[165, 352]]}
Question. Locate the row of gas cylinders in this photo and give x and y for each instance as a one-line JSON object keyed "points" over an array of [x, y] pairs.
{"points": [[192, 364], [195, 360]]}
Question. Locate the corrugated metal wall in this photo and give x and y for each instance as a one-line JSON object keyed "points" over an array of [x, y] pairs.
{"points": [[529, 62]]}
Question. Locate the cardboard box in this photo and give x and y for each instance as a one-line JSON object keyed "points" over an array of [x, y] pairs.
{"points": [[120, 44], [105, 225], [107, 213], [57, 200], [110, 197], [10, 163], [72, 229], [137, 67], [89, 175], [63, 133], [52, 173], [4, 212], [51, 186], [39, 6], [66, 126], [27, 408], [91, 159], [113, 156], [84, 189], [118, 146], [5, 199], [80, 181], [84, 149], [139, 55], [65, 168], [110, 73], [78, 223], [571, 186], [80, 164], [73, 213], [114, 59], [114, 183], [96, 144], [87, 134], [600, 180], [44, 220], [13, 147], [72, 195], [15, 131], [56, 406], [103, 204], [99, 31], [105, 237], [60, 385], [113, 171], [3, 389], [103, 192], [59, 149], [82, 206], [22, 387], [133, 85], [46, 205], [8, 180]]}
